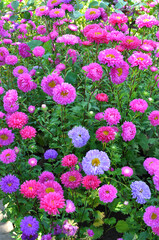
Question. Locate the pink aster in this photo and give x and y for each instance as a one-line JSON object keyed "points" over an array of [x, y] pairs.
{"points": [[52, 202], [71, 179], [28, 132], [48, 83], [70, 207], [64, 94], [151, 165], [2, 115], [120, 73], [6, 137], [91, 181], [107, 193], [157, 35], [146, 21], [93, 71], [128, 131], [92, 14], [138, 105], [57, 13], [90, 27], [41, 29], [53, 3], [110, 56], [31, 109], [1, 90], [154, 118], [112, 116], [73, 27], [29, 188], [99, 116], [69, 160], [117, 18], [42, 11], [3, 54], [105, 134], [11, 60], [140, 59], [68, 39], [19, 70], [98, 35], [38, 51], [10, 107], [24, 82], [151, 216], [130, 42], [47, 187], [102, 97], [156, 230], [156, 179], [71, 53], [7, 156], [17, 120], [11, 96], [67, 7], [46, 176], [103, 15], [115, 36], [127, 171], [32, 162]]}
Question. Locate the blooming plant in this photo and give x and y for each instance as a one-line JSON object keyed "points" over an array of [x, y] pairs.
{"points": [[79, 119]]}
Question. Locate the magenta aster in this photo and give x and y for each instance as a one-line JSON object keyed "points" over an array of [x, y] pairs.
{"points": [[93, 71], [105, 134], [117, 18], [112, 116], [6, 136], [151, 216], [57, 13], [128, 131], [92, 14], [19, 70], [110, 56], [48, 83], [107, 193], [140, 59], [146, 21], [120, 73], [130, 42], [71, 179], [17, 120], [7, 156], [138, 105], [154, 118]]}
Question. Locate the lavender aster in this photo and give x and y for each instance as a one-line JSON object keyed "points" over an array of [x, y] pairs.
{"points": [[79, 136], [46, 237], [29, 226], [95, 162], [51, 153], [69, 229], [140, 191], [9, 184]]}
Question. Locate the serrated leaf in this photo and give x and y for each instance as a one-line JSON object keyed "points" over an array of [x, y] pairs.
{"points": [[34, 43], [143, 236], [99, 215], [98, 222], [26, 15], [98, 232], [104, 5], [13, 18], [122, 226], [93, 4], [15, 4], [110, 221]]}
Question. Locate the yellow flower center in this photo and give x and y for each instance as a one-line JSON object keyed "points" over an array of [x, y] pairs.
{"points": [[110, 55], [4, 137], [140, 58], [141, 190], [95, 162], [29, 225], [105, 133], [146, 20], [8, 154], [118, 17], [92, 12], [120, 71], [54, 1], [1, 54], [129, 41], [98, 33], [42, 9], [49, 190], [150, 163], [64, 94], [52, 202], [107, 191], [20, 71], [153, 216], [156, 118], [30, 188], [72, 179], [52, 84], [9, 184], [57, 12]]}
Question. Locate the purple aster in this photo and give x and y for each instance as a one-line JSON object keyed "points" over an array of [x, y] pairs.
{"points": [[6, 136], [29, 226], [57, 230], [90, 233], [70, 207], [9, 183], [31, 237], [24, 50], [95, 162], [46, 237], [140, 191], [66, 1], [79, 136], [69, 229], [51, 153]]}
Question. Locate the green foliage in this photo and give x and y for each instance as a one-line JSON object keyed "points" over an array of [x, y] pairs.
{"points": [[122, 226]]}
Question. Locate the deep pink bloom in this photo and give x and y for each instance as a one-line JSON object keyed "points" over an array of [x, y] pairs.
{"points": [[105, 134], [151, 216], [127, 171], [98, 35], [1, 90], [90, 27], [38, 51], [70, 207], [19, 70], [29, 188], [17, 120], [138, 105], [71, 179], [112, 116], [117, 18], [69, 160], [130, 42], [107, 193], [140, 59], [68, 39], [128, 131], [91, 181], [156, 179], [71, 53], [67, 7], [32, 162], [93, 71], [46, 176], [92, 14], [28, 132], [11, 59], [41, 29], [24, 82], [156, 230], [146, 21], [120, 73], [47, 187], [52, 3], [102, 97], [31, 109], [73, 27], [154, 118], [110, 56], [42, 11], [115, 36], [151, 165], [52, 202], [57, 13], [7, 156], [48, 83], [99, 116]]}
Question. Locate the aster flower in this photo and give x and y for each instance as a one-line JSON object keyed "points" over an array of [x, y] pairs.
{"points": [[91, 181], [64, 94], [68, 39], [90, 233], [138, 105], [46, 237], [117, 18], [19, 70], [57, 13], [3, 54], [72, 54], [154, 118], [140, 59], [28, 132], [32, 162], [29, 188], [120, 73], [103, 15], [67, 7], [112, 116], [51, 153], [41, 29], [69, 160], [52, 202], [38, 51], [24, 82], [17, 120], [140, 191], [69, 228], [110, 56], [128, 131], [105, 134], [47, 187], [127, 171], [107, 193], [156, 179], [90, 27], [73, 27], [92, 14], [79, 136], [131, 42], [151, 165], [70, 207], [53, 3], [11, 59], [99, 116], [102, 97], [46, 176], [24, 50], [93, 71], [115, 36], [42, 11], [31, 237], [98, 35], [151, 216], [146, 21], [48, 83], [29, 225], [155, 230], [31, 109], [9, 183], [95, 162], [71, 179], [7, 156], [6, 136]]}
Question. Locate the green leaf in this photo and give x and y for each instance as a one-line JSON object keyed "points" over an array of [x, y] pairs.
{"points": [[13, 18], [71, 77], [26, 15], [110, 221], [15, 4], [48, 46], [122, 226], [77, 14], [128, 236], [1, 5], [34, 43], [143, 236], [104, 5], [93, 4]]}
